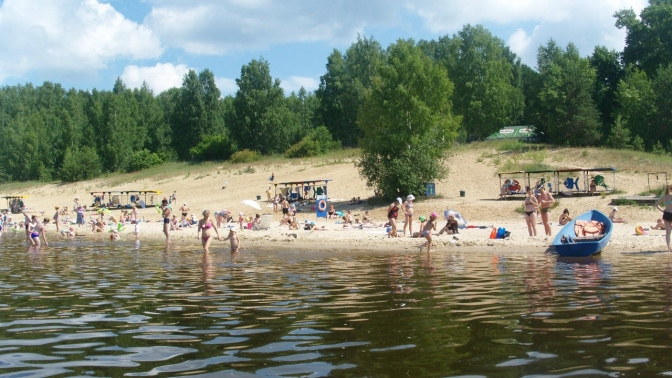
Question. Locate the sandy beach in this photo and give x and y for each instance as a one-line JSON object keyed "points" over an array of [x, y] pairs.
{"points": [[225, 186]]}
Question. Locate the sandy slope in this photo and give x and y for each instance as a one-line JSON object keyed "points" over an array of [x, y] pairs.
{"points": [[470, 170]]}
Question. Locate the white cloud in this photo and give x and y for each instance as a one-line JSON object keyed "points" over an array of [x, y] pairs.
{"points": [[585, 23], [159, 78], [164, 76], [294, 83], [68, 37], [226, 86], [215, 27]]}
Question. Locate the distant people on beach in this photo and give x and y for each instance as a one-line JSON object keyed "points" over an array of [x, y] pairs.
{"points": [[235, 242], [616, 219], [392, 214], [660, 225], [408, 214], [564, 217], [206, 230], [427, 231], [166, 212]]}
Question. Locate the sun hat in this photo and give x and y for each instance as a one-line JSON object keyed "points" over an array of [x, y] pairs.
{"points": [[241, 213], [615, 208], [410, 197], [422, 218], [399, 200], [434, 215]]}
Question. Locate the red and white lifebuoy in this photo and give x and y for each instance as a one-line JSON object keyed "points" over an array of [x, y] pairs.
{"points": [[322, 205]]}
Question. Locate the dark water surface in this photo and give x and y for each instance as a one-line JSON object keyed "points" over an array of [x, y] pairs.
{"points": [[103, 309]]}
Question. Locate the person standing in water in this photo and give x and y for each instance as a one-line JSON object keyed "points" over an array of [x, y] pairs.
{"points": [[531, 206], [235, 242], [666, 201], [546, 200], [205, 230], [408, 218], [427, 231], [165, 212]]}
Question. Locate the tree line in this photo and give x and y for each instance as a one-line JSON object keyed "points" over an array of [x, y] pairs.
{"points": [[424, 94]]}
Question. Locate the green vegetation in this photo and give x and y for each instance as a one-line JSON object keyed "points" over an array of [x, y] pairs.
{"points": [[617, 99], [406, 123], [245, 156]]}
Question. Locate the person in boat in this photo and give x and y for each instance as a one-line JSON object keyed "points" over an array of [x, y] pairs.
{"points": [[531, 206], [615, 218], [546, 200], [564, 217], [664, 204]]}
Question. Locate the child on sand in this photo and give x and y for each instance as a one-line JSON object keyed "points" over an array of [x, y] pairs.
{"points": [[235, 242], [423, 221], [69, 233], [427, 231], [241, 220]]}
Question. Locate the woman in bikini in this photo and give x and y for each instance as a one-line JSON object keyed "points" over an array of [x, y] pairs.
{"points": [[531, 206], [392, 214], [427, 231], [546, 200], [666, 200], [205, 230], [408, 218], [37, 230]]}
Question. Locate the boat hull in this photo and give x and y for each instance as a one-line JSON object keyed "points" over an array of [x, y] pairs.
{"points": [[585, 247]]}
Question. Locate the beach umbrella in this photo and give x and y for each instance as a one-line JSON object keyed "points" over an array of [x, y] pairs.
{"points": [[252, 204]]}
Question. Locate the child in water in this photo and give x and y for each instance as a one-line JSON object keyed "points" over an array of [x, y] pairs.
{"points": [[427, 231], [235, 242]]}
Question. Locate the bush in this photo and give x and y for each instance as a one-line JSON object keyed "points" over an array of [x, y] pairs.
{"points": [[317, 142], [142, 160], [213, 147], [245, 156], [80, 164]]}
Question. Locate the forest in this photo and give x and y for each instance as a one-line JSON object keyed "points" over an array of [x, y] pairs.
{"points": [[457, 88]]}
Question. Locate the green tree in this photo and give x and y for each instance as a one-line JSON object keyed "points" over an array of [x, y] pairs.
{"points": [[636, 101], [486, 94], [648, 41], [619, 136], [79, 165], [259, 119], [342, 89], [568, 114], [406, 122], [609, 72]]}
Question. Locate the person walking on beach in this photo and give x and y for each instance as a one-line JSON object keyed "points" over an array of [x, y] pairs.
{"points": [[165, 211], [285, 206], [546, 200], [531, 206], [666, 201], [408, 218], [392, 214], [134, 214], [427, 231], [205, 230]]}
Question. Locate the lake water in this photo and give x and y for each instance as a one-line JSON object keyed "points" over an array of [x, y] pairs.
{"points": [[103, 309]]}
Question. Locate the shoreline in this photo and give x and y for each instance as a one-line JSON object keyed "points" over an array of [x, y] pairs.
{"points": [[336, 239]]}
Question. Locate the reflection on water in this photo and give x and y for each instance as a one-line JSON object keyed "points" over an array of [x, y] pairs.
{"points": [[103, 309]]}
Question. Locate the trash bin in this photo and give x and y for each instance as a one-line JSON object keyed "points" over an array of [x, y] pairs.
{"points": [[462, 193], [258, 198]]}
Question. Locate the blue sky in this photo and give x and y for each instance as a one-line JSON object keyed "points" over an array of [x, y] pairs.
{"points": [[87, 44]]}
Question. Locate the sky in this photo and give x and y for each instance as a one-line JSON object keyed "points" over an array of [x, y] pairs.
{"points": [[87, 44]]}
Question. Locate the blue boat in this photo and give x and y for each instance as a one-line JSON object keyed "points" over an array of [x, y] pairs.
{"points": [[595, 228]]}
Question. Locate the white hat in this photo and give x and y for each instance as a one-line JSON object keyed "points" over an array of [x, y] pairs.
{"points": [[399, 200], [410, 197], [615, 208], [241, 213]]}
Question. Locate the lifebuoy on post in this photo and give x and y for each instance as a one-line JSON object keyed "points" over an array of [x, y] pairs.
{"points": [[322, 205]]}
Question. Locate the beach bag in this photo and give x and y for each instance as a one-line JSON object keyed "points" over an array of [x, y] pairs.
{"points": [[639, 231], [501, 231]]}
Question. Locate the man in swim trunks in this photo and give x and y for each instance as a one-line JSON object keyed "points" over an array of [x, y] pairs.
{"points": [[285, 206], [165, 212]]}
